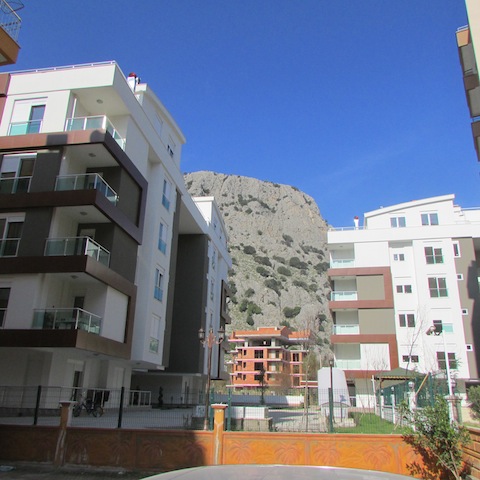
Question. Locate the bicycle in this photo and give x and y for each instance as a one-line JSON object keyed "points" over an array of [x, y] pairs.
{"points": [[90, 407]]}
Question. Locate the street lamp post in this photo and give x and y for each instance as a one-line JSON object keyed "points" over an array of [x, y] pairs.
{"points": [[209, 341], [437, 330]]}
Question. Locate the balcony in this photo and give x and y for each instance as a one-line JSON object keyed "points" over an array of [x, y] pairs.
{"points": [[23, 128], [344, 329], [77, 246], [340, 296], [342, 263], [67, 319], [9, 247], [11, 185], [98, 122], [89, 181]]}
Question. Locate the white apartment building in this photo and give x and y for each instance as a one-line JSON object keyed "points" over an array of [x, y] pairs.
{"points": [[407, 268], [103, 253]]}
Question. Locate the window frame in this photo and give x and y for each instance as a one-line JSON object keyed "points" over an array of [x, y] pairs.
{"points": [[434, 256], [437, 287], [429, 219], [158, 285], [398, 222]]}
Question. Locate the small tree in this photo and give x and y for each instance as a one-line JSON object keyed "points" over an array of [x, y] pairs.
{"points": [[438, 440], [474, 399]]}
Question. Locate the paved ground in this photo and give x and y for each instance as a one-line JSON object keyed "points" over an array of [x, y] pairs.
{"points": [[33, 471]]}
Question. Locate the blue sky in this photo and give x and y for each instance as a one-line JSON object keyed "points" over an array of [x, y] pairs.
{"points": [[359, 103]]}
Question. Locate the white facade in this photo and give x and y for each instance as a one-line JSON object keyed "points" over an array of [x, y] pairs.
{"points": [[429, 248], [64, 132]]}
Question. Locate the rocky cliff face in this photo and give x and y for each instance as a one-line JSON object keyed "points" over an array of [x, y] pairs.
{"points": [[277, 240]]}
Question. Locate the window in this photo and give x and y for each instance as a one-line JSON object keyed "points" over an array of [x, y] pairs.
{"points": [[258, 353], [410, 358], [456, 250], [429, 219], [399, 257], [212, 290], [404, 289], [295, 357], [469, 347], [158, 289], [442, 364], [437, 287], [433, 255], [167, 187], [214, 259], [464, 311], [27, 117], [155, 334], [16, 172], [162, 238], [10, 234], [4, 296], [398, 222], [171, 146], [406, 319], [459, 276]]}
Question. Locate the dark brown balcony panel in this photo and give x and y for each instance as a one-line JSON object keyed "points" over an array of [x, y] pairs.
{"points": [[37, 141], [471, 82], [476, 137], [71, 198], [64, 339], [67, 264], [9, 49], [4, 83]]}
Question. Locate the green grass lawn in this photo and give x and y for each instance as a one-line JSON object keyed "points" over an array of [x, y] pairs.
{"points": [[370, 423]]}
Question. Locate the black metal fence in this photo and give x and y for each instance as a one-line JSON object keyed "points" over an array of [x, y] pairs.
{"points": [[325, 410]]}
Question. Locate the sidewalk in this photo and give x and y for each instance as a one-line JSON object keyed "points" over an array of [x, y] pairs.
{"points": [[41, 471]]}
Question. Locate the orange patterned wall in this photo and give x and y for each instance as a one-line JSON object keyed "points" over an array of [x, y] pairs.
{"points": [[373, 452], [151, 450]]}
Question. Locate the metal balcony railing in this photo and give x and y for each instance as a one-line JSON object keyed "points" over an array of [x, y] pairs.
{"points": [[9, 247], [9, 20], [95, 122], [88, 181], [66, 319], [77, 246], [15, 185]]}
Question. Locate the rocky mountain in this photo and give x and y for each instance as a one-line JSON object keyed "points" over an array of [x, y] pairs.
{"points": [[277, 240]]}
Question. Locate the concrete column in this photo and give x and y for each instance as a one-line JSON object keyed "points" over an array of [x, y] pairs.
{"points": [[218, 430]]}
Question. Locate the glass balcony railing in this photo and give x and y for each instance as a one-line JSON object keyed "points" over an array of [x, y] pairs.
{"points": [[22, 128], [341, 296], [342, 263], [15, 185], [88, 181], [77, 246], [347, 364], [67, 319], [9, 247], [346, 329], [97, 122]]}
